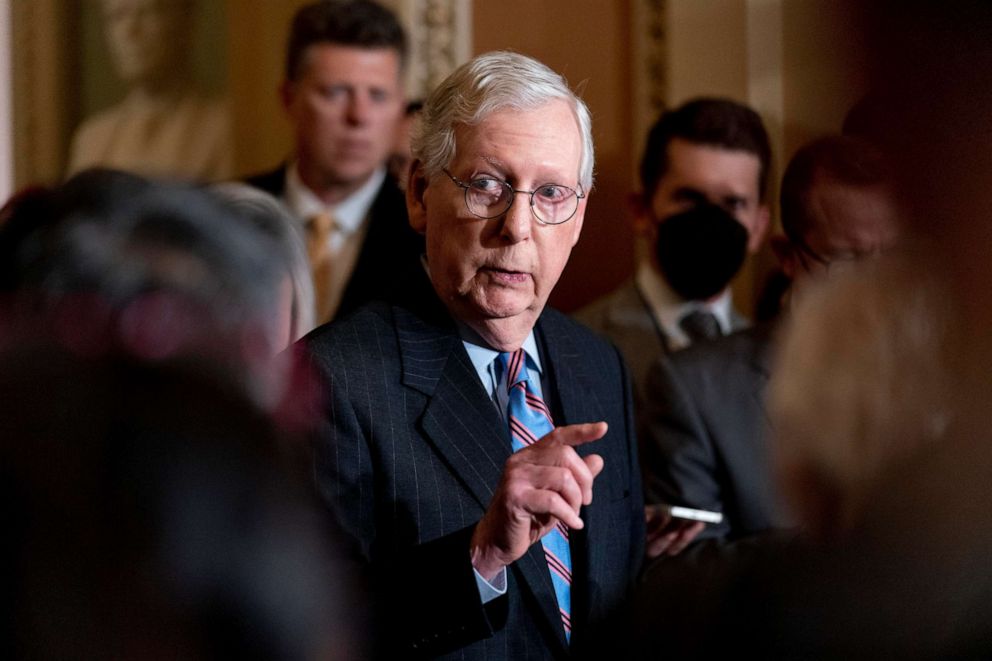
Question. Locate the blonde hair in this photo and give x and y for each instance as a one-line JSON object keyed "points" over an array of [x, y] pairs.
{"points": [[862, 378]]}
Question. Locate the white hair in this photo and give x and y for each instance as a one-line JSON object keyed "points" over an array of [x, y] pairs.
{"points": [[500, 80]]}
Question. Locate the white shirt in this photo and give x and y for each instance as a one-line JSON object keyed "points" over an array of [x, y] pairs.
{"points": [[668, 308], [483, 360]]}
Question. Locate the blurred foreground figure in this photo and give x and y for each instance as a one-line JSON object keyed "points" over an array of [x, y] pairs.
{"points": [[153, 512], [891, 469], [266, 213], [113, 263], [148, 458]]}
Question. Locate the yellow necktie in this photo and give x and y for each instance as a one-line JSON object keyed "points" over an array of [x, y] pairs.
{"points": [[319, 230]]}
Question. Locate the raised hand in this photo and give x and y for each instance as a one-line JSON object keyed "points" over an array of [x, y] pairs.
{"points": [[541, 484]]}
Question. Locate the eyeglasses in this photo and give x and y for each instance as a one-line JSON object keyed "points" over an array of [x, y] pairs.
{"points": [[488, 197]]}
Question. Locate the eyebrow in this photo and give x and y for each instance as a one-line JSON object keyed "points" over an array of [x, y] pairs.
{"points": [[689, 193], [547, 178]]}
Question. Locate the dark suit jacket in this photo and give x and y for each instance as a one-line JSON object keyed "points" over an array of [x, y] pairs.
{"points": [[390, 256], [625, 318], [703, 438], [410, 452]]}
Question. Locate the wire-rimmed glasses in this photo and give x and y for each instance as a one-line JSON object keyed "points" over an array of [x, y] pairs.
{"points": [[489, 197]]}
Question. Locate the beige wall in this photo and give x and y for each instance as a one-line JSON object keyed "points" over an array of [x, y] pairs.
{"points": [[798, 63], [257, 37], [6, 105], [823, 71]]}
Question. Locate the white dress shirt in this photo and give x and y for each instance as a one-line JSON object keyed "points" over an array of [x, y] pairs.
{"points": [[668, 308]]}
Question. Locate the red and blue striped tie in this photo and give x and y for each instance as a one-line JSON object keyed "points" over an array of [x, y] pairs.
{"points": [[529, 420]]}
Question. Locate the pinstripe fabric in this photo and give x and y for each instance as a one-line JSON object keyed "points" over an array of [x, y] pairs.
{"points": [[408, 456]]}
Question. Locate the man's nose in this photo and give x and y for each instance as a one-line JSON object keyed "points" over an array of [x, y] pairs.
{"points": [[519, 219], [359, 106]]}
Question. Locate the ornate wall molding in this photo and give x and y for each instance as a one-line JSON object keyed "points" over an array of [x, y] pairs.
{"points": [[440, 40], [40, 45], [649, 60]]}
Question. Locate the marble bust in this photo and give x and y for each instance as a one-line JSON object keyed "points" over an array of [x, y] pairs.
{"points": [[164, 126]]}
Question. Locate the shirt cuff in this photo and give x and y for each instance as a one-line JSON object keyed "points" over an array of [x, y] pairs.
{"points": [[489, 591]]}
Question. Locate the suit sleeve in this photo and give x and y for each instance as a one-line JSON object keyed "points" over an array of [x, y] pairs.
{"points": [[426, 601], [637, 501], [679, 462]]}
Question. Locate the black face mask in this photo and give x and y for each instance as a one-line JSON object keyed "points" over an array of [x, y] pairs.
{"points": [[700, 251]]}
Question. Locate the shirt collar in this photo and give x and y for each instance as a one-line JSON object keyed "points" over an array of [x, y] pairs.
{"points": [[668, 307], [348, 213], [482, 356]]}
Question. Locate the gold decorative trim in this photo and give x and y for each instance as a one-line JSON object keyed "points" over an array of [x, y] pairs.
{"points": [[650, 57], [40, 46], [440, 38]]}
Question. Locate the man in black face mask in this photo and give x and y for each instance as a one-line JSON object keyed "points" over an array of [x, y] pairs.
{"points": [[702, 436], [706, 156], [701, 211]]}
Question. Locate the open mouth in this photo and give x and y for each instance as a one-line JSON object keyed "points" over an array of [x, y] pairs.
{"points": [[506, 275]]}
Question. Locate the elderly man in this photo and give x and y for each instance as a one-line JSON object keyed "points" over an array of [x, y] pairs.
{"points": [[480, 449]]}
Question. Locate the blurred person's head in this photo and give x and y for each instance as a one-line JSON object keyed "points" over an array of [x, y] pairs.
{"points": [[158, 515], [296, 306], [503, 163], [148, 39], [343, 92], [838, 204], [155, 271], [861, 383], [705, 152]]}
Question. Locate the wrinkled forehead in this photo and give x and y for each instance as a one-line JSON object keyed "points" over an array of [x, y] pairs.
{"points": [[846, 218], [546, 137]]}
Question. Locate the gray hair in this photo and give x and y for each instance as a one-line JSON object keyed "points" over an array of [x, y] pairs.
{"points": [[269, 215], [500, 80]]}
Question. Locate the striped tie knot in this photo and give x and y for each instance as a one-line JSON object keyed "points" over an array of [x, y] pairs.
{"points": [[513, 364]]}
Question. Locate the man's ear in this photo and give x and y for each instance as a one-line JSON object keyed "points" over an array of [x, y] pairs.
{"points": [[761, 223], [416, 189], [786, 255]]}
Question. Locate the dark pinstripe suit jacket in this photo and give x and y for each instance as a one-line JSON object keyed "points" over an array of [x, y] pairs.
{"points": [[409, 454]]}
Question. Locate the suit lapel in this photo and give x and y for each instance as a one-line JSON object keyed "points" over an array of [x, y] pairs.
{"points": [[760, 362], [464, 427], [459, 421], [569, 374]]}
